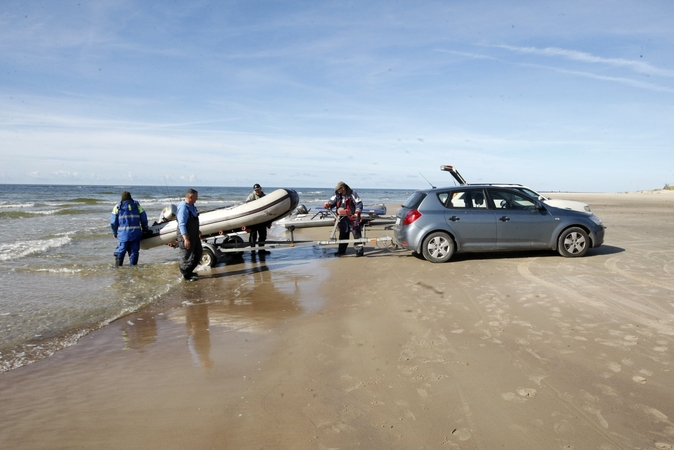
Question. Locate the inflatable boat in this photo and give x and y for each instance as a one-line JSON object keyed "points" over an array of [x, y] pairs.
{"points": [[320, 217], [272, 206]]}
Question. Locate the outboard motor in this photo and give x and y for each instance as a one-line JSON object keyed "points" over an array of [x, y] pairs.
{"points": [[168, 213], [302, 210]]}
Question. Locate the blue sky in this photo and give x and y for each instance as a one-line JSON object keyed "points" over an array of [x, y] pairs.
{"points": [[560, 96]]}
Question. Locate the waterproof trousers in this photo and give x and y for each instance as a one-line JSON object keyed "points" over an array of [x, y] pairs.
{"points": [[124, 247], [190, 257], [345, 228], [258, 235]]}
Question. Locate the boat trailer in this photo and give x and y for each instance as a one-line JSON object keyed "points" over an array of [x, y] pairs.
{"points": [[232, 243]]}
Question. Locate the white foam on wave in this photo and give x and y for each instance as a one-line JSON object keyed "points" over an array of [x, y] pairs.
{"points": [[61, 270], [9, 205], [21, 249], [49, 212], [158, 201], [13, 359]]}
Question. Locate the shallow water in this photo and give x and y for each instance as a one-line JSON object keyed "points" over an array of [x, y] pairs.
{"points": [[57, 275]]}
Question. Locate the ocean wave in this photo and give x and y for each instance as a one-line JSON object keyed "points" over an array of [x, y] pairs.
{"points": [[71, 211], [48, 212], [41, 346], [321, 192], [25, 354], [9, 205], [159, 201], [16, 214], [44, 212], [65, 270], [85, 200], [21, 249]]}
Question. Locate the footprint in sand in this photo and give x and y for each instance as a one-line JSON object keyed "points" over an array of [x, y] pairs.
{"points": [[463, 434], [564, 427], [614, 367], [639, 380], [527, 392], [511, 397]]}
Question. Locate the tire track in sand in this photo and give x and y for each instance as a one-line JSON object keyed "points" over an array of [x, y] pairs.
{"points": [[524, 269]]}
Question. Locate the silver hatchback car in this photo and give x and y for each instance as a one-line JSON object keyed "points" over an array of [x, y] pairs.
{"points": [[437, 223]]}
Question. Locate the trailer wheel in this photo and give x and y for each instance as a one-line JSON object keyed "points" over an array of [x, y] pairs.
{"points": [[238, 240], [208, 258]]}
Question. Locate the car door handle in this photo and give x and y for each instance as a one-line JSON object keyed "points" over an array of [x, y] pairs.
{"points": [[454, 218], [504, 219]]}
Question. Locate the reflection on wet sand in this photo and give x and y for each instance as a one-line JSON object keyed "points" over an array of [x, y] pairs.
{"points": [[140, 332], [198, 335], [246, 299]]}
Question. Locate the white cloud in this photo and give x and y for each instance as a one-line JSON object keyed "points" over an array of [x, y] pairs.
{"points": [[575, 55]]}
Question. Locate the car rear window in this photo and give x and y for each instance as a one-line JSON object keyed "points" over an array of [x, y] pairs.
{"points": [[414, 200]]}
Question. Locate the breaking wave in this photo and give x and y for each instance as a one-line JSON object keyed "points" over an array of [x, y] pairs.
{"points": [[21, 249]]}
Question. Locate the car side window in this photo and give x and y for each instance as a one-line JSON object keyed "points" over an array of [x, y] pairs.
{"points": [[468, 199], [478, 199], [511, 200]]}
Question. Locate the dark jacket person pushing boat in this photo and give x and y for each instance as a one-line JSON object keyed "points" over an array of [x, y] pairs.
{"points": [[128, 220]]}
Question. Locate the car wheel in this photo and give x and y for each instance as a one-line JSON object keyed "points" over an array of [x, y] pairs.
{"points": [[208, 258], [438, 247], [573, 242]]}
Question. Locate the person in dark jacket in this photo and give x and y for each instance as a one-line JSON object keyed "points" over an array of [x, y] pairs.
{"points": [[189, 236], [349, 206], [128, 220], [258, 233]]}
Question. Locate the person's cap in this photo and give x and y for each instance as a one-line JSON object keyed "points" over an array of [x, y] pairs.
{"points": [[340, 185], [257, 186], [126, 196]]}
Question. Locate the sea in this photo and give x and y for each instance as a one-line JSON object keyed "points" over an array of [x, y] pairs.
{"points": [[58, 280]]}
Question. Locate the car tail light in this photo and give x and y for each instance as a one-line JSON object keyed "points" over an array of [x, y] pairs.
{"points": [[411, 217]]}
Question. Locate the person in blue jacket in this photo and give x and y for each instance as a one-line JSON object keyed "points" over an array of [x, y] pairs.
{"points": [[128, 220], [189, 236]]}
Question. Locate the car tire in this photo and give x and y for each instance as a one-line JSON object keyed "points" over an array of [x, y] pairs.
{"points": [[573, 242], [208, 258], [438, 247]]}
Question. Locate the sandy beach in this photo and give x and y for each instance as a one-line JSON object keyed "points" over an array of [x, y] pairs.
{"points": [[309, 351]]}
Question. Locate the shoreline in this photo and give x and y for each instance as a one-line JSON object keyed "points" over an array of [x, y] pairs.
{"points": [[385, 351]]}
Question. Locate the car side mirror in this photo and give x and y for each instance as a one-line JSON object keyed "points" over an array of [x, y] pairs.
{"points": [[540, 206]]}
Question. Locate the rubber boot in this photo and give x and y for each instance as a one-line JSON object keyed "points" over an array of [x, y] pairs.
{"points": [[119, 261]]}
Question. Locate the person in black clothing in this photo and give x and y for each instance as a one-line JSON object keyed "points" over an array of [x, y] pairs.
{"points": [[349, 206], [258, 233]]}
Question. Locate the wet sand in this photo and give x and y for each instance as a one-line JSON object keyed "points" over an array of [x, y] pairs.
{"points": [[309, 351]]}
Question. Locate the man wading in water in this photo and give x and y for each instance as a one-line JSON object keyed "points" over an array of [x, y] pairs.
{"points": [[189, 236]]}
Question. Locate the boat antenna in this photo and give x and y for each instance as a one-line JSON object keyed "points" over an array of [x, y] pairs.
{"points": [[168, 193], [167, 189], [422, 176]]}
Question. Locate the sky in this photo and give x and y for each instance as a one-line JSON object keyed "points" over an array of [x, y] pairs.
{"points": [[557, 95]]}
